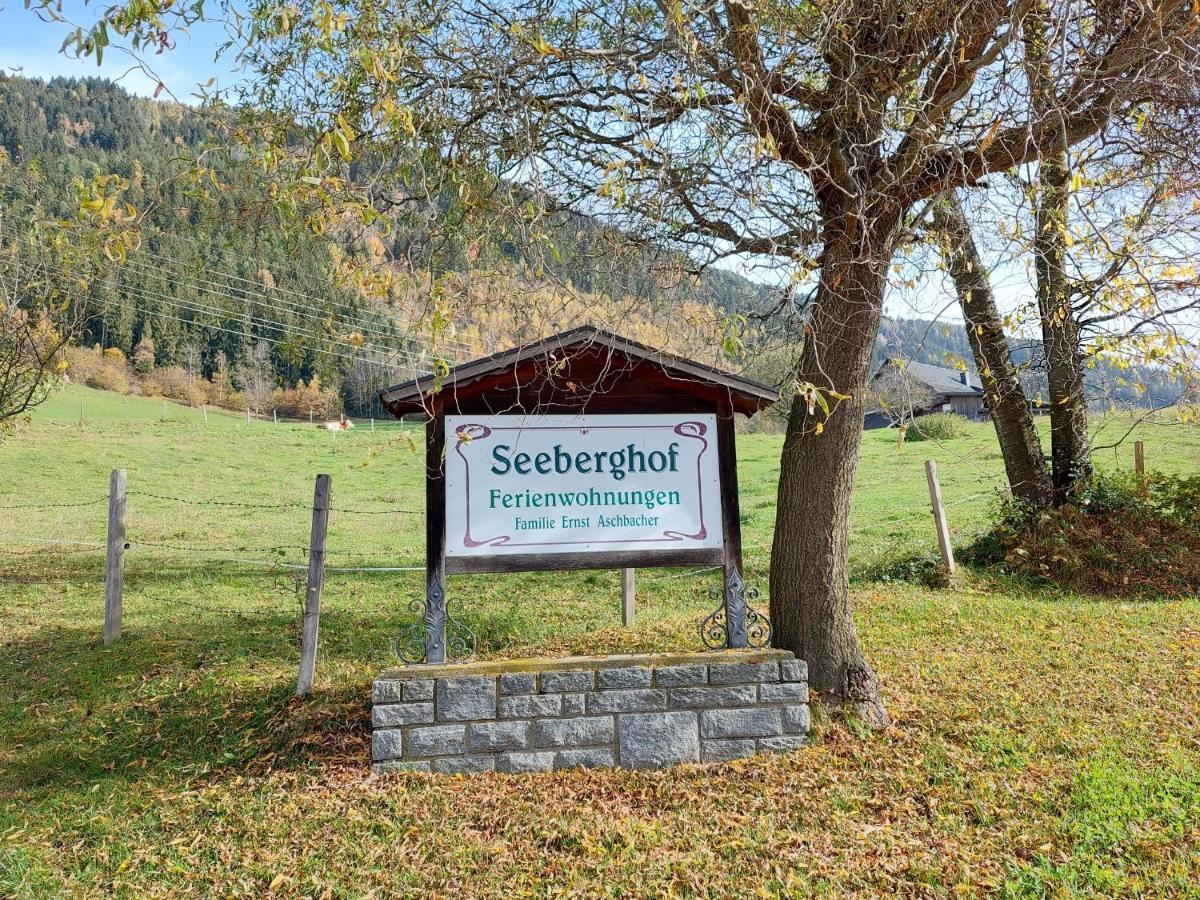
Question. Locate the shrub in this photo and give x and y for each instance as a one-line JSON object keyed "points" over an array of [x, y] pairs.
{"points": [[83, 360], [103, 370], [172, 382], [1125, 536], [936, 427], [297, 402], [109, 378]]}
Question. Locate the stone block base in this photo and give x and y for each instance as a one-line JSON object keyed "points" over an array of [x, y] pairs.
{"points": [[641, 711]]}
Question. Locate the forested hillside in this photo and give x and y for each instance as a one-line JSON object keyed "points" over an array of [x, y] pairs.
{"points": [[210, 278], [224, 303], [220, 289]]}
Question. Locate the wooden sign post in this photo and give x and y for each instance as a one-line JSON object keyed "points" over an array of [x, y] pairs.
{"points": [[628, 596], [583, 451], [114, 568], [316, 584], [939, 516]]}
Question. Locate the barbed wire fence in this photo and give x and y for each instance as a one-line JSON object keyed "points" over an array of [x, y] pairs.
{"points": [[291, 564]]}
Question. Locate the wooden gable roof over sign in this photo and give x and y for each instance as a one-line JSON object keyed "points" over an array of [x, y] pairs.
{"points": [[585, 363]]}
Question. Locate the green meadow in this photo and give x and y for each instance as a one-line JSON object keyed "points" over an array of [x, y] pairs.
{"points": [[1043, 743]]}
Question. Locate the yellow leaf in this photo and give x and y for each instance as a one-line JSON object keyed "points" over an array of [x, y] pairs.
{"points": [[343, 145], [990, 136]]}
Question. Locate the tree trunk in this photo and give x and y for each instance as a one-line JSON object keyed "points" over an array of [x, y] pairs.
{"points": [[1070, 452], [1020, 446], [810, 586]]}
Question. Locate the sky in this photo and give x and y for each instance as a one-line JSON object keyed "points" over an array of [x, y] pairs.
{"points": [[31, 47]]}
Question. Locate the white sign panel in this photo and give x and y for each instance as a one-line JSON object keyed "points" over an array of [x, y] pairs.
{"points": [[581, 484]]}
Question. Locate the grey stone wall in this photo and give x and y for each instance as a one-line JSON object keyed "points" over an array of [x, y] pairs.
{"points": [[640, 712]]}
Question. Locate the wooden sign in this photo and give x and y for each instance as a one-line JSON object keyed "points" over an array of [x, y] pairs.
{"points": [[592, 484], [583, 451]]}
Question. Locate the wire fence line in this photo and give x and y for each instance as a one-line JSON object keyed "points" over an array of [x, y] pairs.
{"points": [[672, 576], [207, 554], [183, 548], [41, 551], [68, 504], [289, 504], [35, 539], [286, 561], [183, 414], [273, 557]]}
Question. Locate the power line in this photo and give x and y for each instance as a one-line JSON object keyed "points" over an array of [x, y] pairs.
{"points": [[242, 334], [400, 358], [146, 293], [149, 295], [193, 241], [175, 262], [244, 298]]}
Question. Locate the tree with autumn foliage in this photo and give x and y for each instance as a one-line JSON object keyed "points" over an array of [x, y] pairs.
{"points": [[807, 134], [1123, 245], [48, 266]]}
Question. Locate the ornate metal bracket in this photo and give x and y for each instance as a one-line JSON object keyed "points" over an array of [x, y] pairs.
{"points": [[735, 623], [413, 644]]}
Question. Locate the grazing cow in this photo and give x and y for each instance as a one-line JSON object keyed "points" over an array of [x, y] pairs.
{"points": [[343, 425]]}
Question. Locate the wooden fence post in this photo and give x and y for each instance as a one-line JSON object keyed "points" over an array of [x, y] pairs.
{"points": [[114, 569], [205, 413], [1139, 457], [628, 596], [939, 516], [316, 581]]}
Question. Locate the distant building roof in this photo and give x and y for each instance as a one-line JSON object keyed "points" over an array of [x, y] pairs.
{"points": [[950, 382]]}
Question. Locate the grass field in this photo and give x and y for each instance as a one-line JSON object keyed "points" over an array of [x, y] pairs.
{"points": [[1043, 744]]}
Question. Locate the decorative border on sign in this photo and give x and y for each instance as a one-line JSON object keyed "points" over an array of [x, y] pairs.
{"points": [[473, 431]]}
